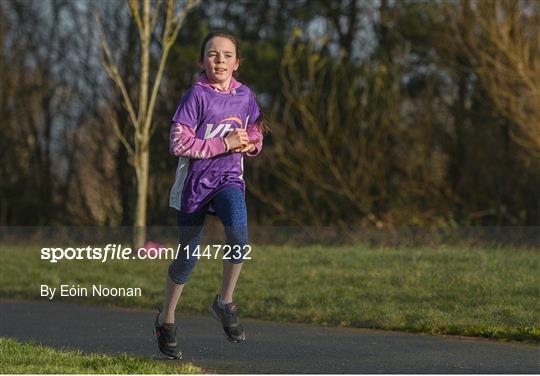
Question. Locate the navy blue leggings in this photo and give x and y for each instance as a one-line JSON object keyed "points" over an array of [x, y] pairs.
{"points": [[230, 207]]}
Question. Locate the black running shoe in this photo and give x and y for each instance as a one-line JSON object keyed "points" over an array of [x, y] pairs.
{"points": [[228, 318], [166, 339]]}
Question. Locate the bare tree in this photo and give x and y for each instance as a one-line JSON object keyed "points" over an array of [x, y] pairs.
{"points": [[336, 132], [503, 39], [145, 15], [40, 105]]}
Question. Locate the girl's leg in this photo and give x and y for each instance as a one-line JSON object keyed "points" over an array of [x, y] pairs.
{"points": [[190, 231], [172, 295], [231, 272], [230, 206]]}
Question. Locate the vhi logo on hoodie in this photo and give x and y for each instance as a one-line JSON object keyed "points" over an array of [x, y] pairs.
{"points": [[225, 126]]}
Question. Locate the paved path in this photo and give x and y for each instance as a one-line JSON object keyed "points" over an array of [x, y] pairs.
{"points": [[269, 348]]}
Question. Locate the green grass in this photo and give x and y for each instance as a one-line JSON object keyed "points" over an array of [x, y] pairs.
{"points": [[24, 358], [462, 291]]}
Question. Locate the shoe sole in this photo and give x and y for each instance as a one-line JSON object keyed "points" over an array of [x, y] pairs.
{"points": [[167, 355], [216, 317]]}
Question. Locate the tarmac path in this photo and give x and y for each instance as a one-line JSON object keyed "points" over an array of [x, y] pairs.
{"points": [[269, 347]]}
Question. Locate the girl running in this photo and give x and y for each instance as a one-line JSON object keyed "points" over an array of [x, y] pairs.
{"points": [[216, 123]]}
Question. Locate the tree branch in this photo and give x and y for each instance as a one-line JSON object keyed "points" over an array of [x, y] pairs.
{"points": [[114, 74]]}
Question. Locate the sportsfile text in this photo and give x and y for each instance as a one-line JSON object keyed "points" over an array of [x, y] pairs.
{"points": [[119, 252]]}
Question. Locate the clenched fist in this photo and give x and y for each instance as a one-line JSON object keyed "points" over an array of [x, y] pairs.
{"points": [[238, 137]]}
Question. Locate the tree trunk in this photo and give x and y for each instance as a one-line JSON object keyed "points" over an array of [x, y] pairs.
{"points": [[143, 165], [143, 170]]}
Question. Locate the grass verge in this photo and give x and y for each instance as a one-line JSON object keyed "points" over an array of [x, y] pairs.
{"points": [[25, 358], [490, 293]]}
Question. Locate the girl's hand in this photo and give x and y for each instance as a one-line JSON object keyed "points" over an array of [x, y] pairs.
{"points": [[245, 148], [237, 138]]}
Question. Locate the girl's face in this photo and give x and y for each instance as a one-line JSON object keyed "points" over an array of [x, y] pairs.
{"points": [[220, 60]]}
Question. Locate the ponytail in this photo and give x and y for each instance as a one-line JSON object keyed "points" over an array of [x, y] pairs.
{"points": [[262, 122]]}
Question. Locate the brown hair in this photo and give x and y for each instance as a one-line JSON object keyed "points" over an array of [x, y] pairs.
{"points": [[262, 121], [223, 34]]}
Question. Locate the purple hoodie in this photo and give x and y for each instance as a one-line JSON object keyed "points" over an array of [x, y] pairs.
{"points": [[203, 118]]}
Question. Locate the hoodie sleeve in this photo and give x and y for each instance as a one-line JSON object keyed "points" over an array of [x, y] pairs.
{"points": [[184, 143], [254, 133], [188, 110]]}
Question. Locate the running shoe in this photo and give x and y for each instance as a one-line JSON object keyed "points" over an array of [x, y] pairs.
{"points": [[228, 318], [166, 339]]}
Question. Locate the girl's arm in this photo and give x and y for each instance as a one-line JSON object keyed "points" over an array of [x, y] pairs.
{"points": [[184, 143], [254, 134]]}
